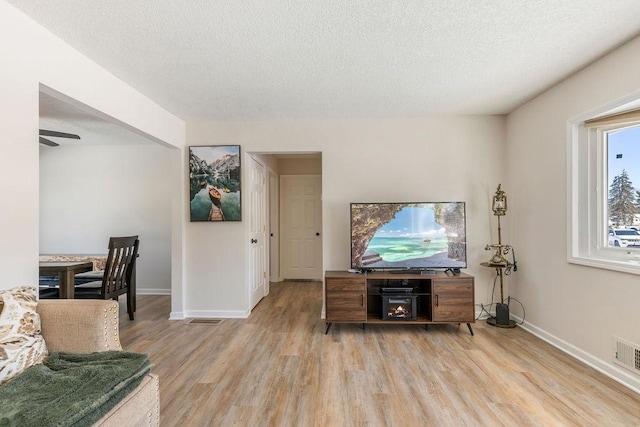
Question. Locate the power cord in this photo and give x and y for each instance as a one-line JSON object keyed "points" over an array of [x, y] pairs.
{"points": [[483, 308], [514, 263], [524, 314]]}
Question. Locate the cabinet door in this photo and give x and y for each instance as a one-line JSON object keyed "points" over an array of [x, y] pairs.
{"points": [[346, 300], [453, 300]]}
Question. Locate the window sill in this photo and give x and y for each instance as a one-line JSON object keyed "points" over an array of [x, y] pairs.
{"points": [[624, 266]]}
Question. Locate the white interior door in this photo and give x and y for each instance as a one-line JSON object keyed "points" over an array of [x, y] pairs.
{"points": [[274, 227], [259, 281], [301, 226]]}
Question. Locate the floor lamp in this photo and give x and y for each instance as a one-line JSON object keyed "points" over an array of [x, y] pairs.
{"points": [[500, 263]]}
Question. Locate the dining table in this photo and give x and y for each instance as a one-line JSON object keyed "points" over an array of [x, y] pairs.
{"points": [[66, 271]]}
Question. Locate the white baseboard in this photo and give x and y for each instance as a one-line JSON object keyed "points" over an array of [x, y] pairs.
{"points": [[147, 291], [208, 314], [627, 379]]}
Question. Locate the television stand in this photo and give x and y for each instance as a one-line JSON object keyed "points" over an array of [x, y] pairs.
{"points": [[412, 271], [359, 297]]}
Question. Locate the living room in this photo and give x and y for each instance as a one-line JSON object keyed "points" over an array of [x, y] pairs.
{"points": [[576, 308]]}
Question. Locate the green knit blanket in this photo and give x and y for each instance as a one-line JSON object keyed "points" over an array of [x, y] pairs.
{"points": [[71, 389]]}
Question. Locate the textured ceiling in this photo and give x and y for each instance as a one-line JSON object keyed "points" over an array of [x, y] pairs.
{"points": [[261, 59]]}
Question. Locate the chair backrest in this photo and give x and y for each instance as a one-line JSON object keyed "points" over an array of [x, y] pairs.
{"points": [[119, 269]]}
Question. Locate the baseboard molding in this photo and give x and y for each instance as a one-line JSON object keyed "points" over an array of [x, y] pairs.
{"points": [[153, 291], [628, 380], [208, 314]]}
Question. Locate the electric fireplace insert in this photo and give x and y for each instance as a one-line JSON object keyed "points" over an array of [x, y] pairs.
{"points": [[399, 307]]}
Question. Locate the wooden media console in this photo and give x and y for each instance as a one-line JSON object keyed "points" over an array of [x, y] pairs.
{"points": [[438, 298]]}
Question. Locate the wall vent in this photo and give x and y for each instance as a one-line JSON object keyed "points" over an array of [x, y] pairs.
{"points": [[627, 354]]}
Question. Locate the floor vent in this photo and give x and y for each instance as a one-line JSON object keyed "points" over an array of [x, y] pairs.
{"points": [[627, 354], [206, 321]]}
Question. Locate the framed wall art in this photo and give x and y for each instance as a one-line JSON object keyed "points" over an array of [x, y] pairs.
{"points": [[214, 180]]}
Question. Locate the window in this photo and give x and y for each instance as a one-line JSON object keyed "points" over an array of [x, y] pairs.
{"points": [[604, 188], [623, 177]]}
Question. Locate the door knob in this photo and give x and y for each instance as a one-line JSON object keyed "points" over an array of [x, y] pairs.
{"points": [[317, 234], [254, 240]]}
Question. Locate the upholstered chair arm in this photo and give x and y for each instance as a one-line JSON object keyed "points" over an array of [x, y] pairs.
{"points": [[79, 326]]}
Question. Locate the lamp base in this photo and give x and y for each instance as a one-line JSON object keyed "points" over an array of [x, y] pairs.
{"points": [[494, 322], [502, 317]]}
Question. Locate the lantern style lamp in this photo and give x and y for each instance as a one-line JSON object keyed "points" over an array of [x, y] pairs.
{"points": [[499, 205], [499, 208], [499, 262]]}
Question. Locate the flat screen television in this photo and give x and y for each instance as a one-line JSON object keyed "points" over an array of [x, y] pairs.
{"points": [[411, 236]]}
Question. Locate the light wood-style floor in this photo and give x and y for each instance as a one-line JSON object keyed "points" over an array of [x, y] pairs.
{"points": [[278, 368]]}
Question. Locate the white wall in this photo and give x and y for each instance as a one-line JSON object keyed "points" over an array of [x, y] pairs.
{"points": [[421, 159], [88, 194], [296, 166], [32, 56], [577, 308]]}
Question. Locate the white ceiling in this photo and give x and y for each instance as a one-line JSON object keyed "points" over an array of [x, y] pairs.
{"points": [[266, 59]]}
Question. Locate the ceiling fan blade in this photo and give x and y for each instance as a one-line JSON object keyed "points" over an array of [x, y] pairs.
{"points": [[58, 134], [45, 141]]}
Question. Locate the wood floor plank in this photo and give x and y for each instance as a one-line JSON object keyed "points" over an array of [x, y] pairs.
{"points": [[278, 368]]}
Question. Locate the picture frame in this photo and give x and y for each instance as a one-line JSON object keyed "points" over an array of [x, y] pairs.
{"points": [[214, 183]]}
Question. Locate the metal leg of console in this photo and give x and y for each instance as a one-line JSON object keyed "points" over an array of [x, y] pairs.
{"points": [[470, 330], [328, 327]]}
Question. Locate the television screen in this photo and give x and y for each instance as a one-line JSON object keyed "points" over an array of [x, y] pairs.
{"points": [[408, 235]]}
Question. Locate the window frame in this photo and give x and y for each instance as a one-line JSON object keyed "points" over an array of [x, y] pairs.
{"points": [[588, 189]]}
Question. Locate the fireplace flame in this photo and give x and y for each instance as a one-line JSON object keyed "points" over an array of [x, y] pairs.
{"points": [[399, 311]]}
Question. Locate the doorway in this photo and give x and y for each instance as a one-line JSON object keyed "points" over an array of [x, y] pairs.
{"points": [[111, 158], [299, 168]]}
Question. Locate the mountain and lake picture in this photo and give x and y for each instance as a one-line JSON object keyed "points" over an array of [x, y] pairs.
{"points": [[214, 181]]}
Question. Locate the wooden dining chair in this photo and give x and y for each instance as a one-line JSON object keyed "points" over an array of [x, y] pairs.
{"points": [[49, 292], [49, 287], [118, 277]]}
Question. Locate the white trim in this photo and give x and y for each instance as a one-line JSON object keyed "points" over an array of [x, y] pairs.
{"points": [[217, 314], [631, 266], [147, 291], [208, 314], [610, 370]]}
